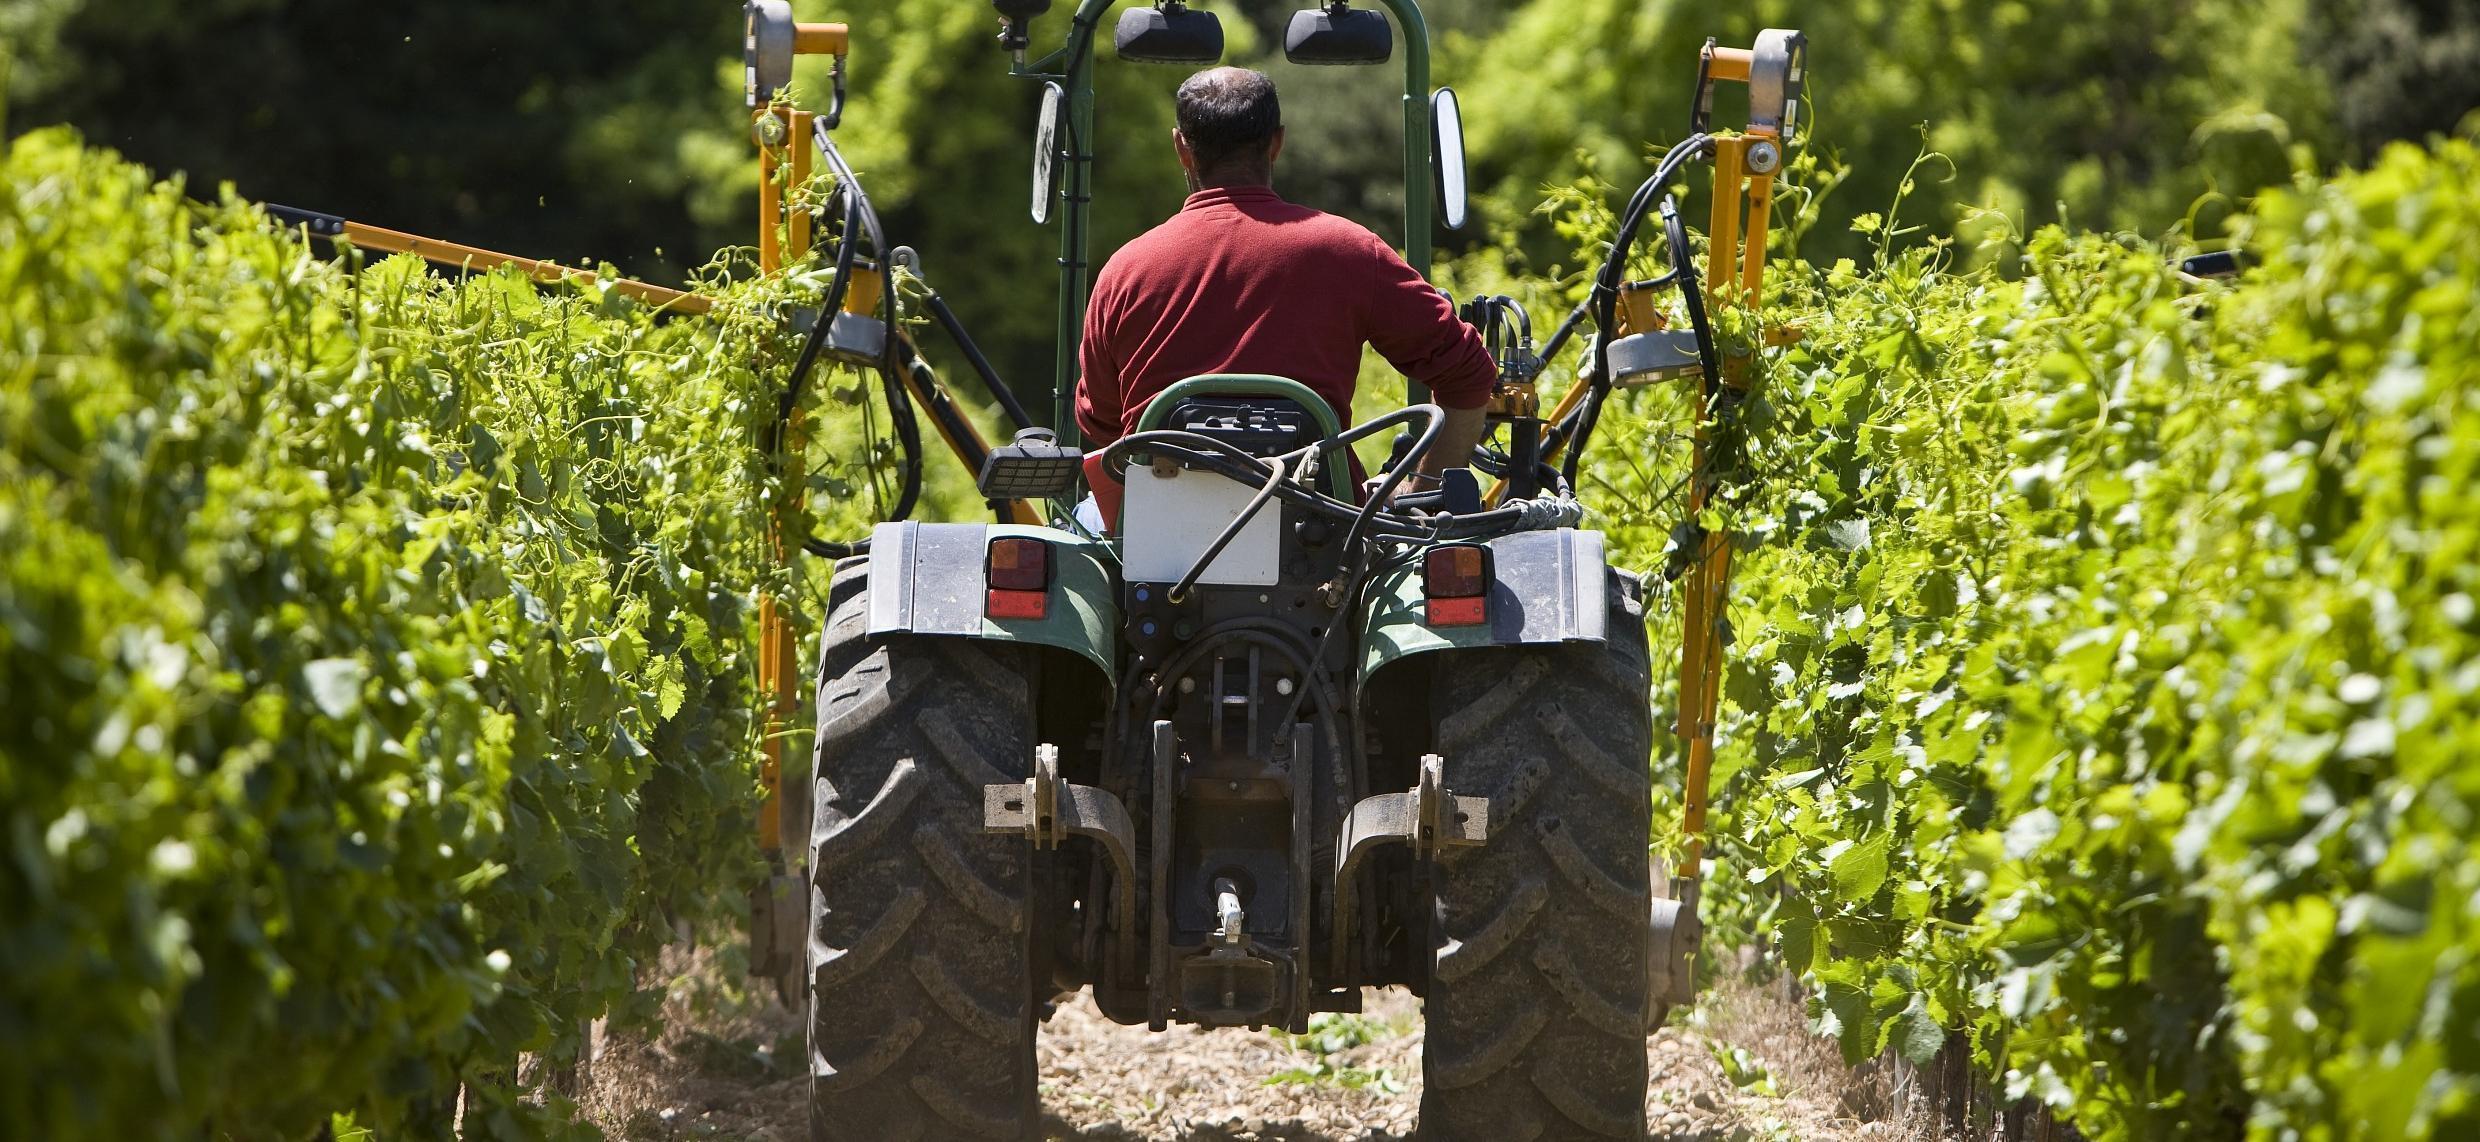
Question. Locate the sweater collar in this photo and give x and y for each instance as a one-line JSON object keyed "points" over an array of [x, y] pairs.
{"points": [[1216, 195]]}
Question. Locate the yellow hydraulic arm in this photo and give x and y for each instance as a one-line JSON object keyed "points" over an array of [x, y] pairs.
{"points": [[362, 235], [786, 161], [779, 906], [1745, 166]]}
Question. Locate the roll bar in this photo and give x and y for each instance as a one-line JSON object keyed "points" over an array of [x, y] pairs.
{"points": [[1075, 186]]}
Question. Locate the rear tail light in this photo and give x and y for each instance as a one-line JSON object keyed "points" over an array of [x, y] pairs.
{"points": [[1019, 576], [1455, 581]]}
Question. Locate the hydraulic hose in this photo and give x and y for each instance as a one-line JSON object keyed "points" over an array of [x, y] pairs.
{"points": [[905, 257], [1437, 420], [817, 338], [1224, 459], [900, 411], [1605, 296], [858, 217], [999, 391]]}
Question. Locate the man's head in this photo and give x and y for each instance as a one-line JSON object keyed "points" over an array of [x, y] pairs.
{"points": [[1230, 128]]}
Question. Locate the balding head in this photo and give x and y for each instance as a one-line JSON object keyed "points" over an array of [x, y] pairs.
{"points": [[1230, 126]]}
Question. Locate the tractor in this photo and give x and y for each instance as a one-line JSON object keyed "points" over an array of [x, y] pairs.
{"points": [[1279, 736]]}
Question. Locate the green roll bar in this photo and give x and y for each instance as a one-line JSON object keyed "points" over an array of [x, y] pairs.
{"points": [[1075, 184], [1338, 476]]}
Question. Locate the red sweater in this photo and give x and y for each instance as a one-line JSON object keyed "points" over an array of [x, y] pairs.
{"points": [[1240, 281]]}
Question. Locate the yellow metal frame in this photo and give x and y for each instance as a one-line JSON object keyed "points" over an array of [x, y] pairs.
{"points": [[1743, 202], [1743, 208], [781, 165], [785, 165], [368, 237]]}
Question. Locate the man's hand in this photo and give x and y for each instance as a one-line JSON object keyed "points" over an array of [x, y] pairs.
{"points": [[1453, 449]]}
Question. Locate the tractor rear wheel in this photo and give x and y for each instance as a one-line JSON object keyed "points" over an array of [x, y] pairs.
{"points": [[1536, 1013], [920, 1015]]}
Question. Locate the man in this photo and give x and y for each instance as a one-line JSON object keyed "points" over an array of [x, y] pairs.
{"points": [[1240, 281]]}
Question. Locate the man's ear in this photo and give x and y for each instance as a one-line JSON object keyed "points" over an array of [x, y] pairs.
{"points": [[1274, 146], [1188, 156]]}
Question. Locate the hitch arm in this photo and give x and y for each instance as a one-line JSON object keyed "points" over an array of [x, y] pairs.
{"points": [[1047, 811], [1428, 818]]}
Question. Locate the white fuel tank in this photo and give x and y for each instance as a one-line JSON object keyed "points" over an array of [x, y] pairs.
{"points": [[1171, 516]]}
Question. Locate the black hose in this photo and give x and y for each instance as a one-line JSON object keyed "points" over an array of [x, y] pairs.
{"points": [[1395, 475], [900, 413], [1208, 454], [1567, 328], [817, 338], [828, 549], [999, 391], [1692, 295], [1605, 296]]}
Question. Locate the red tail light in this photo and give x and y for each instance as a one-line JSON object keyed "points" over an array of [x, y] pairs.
{"points": [[1455, 578], [1019, 576], [1017, 604], [1019, 564]]}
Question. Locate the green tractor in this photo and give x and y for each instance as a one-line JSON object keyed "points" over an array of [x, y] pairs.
{"points": [[1273, 740]]}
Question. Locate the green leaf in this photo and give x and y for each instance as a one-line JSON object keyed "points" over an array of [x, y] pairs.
{"points": [[1860, 870], [1916, 1034]]}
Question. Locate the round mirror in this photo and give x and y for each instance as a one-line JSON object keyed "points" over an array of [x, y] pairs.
{"points": [[1046, 149], [1447, 148]]}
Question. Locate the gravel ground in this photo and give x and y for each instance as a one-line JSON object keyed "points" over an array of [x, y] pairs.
{"points": [[727, 1067]]}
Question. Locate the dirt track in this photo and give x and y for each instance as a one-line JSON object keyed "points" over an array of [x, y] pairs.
{"points": [[728, 1068]]}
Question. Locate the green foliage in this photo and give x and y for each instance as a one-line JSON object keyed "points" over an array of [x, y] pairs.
{"points": [[377, 662], [2400, 69], [1333, 1034], [2098, 113], [568, 132], [620, 135], [2103, 680]]}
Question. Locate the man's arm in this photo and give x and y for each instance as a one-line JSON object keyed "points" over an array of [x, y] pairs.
{"points": [[1454, 447], [1415, 328]]}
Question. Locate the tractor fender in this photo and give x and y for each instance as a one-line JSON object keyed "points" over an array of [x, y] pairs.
{"points": [[1546, 586], [929, 578]]}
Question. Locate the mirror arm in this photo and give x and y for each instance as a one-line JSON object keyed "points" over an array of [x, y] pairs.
{"points": [[1419, 196]]}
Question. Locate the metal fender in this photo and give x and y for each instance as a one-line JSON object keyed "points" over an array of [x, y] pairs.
{"points": [[1546, 586], [928, 578]]}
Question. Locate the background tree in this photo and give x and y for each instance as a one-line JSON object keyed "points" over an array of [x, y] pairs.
{"points": [[614, 131], [575, 131]]}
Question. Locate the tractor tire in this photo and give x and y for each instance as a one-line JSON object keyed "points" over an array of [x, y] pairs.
{"points": [[1536, 1012], [920, 1015]]}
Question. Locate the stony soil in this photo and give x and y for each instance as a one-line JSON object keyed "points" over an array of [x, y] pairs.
{"points": [[728, 1067]]}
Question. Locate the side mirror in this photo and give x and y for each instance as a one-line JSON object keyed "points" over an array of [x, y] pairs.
{"points": [[1446, 122], [1014, 16], [1046, 150], [766, 49], [1171, 33], [1337, 35]]}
